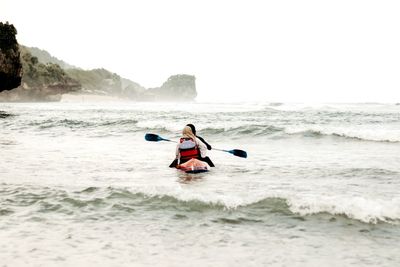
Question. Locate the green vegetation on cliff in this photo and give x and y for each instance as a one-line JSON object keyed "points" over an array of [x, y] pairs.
{"points": [[45, 80], [8, 38], [97, 80], [10, 64], [44, 57], [39, 75], [40, 82], [104, 82]]}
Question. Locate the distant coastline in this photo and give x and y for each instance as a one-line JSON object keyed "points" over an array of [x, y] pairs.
{"points": [[37, 76]]}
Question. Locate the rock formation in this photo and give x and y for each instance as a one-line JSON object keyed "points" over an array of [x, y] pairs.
{"points": [[10, 64], [40, 82], [102, 82], [45, 80], [180, 87]]}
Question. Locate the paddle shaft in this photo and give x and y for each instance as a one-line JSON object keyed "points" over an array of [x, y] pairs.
{"points": [[169, 140], [235, 152], [224, 150]]}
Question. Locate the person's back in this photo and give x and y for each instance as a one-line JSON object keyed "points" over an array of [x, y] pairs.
{"points": [[188, 148], [191, 146]]}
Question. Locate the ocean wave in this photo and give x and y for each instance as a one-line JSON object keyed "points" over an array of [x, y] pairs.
{"points": [[246, 130], [8, 142], [359, 208], [240, 127], [379, 108], [120, 200], [4, 114], [375, 135], [367, 172], [118, 122], [259, 130], [76, 124]]}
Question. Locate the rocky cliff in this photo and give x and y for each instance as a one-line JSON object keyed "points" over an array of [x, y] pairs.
{"points": [[180, 87], [45, 80], [10, 65], [104, 82], [40, 82]]}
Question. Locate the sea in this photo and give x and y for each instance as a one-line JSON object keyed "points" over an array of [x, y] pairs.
{"points": [[80, 186]]}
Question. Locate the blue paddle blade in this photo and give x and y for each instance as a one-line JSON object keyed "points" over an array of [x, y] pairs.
{"points": [[152, 137], [155, 138], [238, 153]]}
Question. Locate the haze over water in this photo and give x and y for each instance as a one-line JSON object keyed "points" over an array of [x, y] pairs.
{"points": [[81, 186]]}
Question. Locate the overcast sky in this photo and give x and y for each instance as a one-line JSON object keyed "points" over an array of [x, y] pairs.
{"points": [[302, 51]]}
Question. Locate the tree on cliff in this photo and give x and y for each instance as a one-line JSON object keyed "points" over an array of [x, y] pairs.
{"points": [[40, 82], [38, 75], [10, 64]]}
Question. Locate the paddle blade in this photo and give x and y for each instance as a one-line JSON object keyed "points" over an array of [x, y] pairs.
{"points": [[238, 153], [152, 137], [155, 138]]}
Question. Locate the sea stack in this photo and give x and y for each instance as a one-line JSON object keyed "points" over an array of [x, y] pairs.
{"points": [[181, 87]]}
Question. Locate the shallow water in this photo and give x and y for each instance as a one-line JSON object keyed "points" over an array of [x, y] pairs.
{"points": [[79, 185]]}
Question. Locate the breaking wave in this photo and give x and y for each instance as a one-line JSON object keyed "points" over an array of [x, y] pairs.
{"points": [[77, 124], [259, 130], [358, 134], [236, 130], [116, 200]]}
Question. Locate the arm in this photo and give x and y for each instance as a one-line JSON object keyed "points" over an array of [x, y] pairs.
{"points": [[207, 144], [177, 151], [174, 163], [202, 148]]}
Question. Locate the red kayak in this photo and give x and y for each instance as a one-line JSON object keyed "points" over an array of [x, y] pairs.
{"points": [[194, 166]]}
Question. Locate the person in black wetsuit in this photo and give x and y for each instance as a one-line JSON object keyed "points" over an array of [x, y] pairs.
{"points": [[205, 159], [201, 138]]}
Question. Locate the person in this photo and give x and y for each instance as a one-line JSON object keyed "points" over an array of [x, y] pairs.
{"points": [[190, 146], [201, 138], [206, 159]]}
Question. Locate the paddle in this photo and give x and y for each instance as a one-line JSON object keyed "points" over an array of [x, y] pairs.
{"points": [[235, 152], [156, 138]]}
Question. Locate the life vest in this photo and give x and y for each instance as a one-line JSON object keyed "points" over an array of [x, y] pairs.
{"points": [[188, 149]]}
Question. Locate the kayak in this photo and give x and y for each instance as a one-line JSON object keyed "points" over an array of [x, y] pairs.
{"points": [[194, 166]]}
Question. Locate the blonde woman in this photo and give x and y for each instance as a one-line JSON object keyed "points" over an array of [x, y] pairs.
{"points": [[190, 147]]}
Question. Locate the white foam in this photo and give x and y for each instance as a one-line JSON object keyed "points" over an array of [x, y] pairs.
{"points": [[160, 124], [360, 208], [366, 132], [339, 107], [368, 210]]}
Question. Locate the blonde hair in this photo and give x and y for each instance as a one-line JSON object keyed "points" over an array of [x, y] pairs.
{"points": [[187, 133]]}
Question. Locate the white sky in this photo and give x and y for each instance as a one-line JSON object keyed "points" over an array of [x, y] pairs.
{"points": [[304, 51]]}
